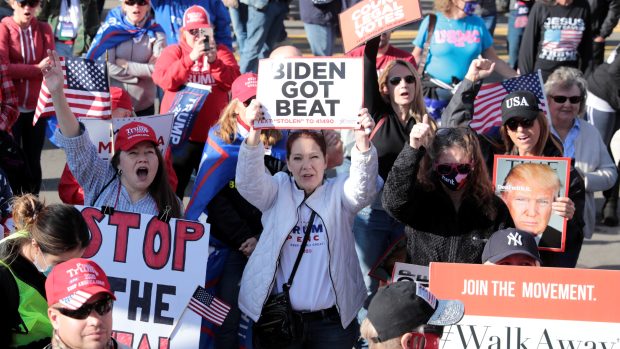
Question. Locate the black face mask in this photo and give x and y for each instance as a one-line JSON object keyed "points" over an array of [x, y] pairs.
{"points": [[454, 181]]}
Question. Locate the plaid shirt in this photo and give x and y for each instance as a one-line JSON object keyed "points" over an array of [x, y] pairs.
{"points": [[8, 100]]}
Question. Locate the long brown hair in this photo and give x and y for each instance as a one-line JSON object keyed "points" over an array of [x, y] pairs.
{"points": [[57, 228], [545, 135], [228, 126], [479, 185], [418, 107], [160, 189]]}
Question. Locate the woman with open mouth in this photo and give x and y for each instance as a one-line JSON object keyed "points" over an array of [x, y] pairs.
{"points": [[525, 131], [134, 180]]}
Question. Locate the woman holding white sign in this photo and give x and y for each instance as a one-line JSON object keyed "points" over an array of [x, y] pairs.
{"points": [[135, 180], [45, 236], [305, 212]]}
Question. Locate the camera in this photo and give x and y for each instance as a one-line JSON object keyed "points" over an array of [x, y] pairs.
{"points": [[206, 34]]}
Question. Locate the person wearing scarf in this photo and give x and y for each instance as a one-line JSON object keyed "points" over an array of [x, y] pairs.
{"points": [[133, 42]]}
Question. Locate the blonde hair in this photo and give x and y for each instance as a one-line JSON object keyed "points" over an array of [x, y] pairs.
{"points": [[540, 175], [418, 108], [228, 126], [443, 6]]}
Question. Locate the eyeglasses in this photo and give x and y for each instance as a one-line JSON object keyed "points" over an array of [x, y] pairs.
{"points": [[194, 32], [409, 79], [562, 99], [449, 168], [102, 307], [134, 2], [513, 124], [31, 3]]}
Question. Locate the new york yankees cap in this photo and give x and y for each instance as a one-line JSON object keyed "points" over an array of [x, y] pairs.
{"points": [[508, 242]]}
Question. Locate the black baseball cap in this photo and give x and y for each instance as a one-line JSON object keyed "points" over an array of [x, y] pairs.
{"points": [[523, 104], [508, 242], [400, 307]]}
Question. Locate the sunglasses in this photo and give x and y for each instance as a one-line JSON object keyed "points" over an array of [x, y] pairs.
{"points": [[134, 2], [102, 307], [513, 124], [31, 3], [448, 168], [247, 103], [562, 99], [409, 79]]}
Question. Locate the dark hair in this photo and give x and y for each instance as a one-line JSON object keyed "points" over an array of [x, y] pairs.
{"points": [[545, 135], [479, 186], [317, 136], [160, 189], [57, 228]]}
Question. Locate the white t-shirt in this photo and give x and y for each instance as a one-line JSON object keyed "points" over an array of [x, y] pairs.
{"points": [[312, 287]]}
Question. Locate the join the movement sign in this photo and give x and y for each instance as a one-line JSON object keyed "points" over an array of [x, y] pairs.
{"points": [[513, 307]]}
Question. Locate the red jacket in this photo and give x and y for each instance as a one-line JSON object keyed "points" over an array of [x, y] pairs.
{"points": [[174, 68], [27, 78]]}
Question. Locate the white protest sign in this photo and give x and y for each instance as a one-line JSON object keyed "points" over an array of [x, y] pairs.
{"points": [[100, 133], [310, 93], [153, 268], [161, 124], [410, 272]]}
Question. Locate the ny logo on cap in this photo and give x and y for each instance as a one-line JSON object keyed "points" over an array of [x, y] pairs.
{"points": [[514, 239], [516, 102]]}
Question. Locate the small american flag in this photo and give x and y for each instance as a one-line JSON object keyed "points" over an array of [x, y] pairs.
{"points": [[207, 306], [562, 39], [86, 88], [488, 103]]}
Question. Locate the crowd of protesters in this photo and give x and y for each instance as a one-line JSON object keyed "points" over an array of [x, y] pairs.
{"points": [[413, 170]]}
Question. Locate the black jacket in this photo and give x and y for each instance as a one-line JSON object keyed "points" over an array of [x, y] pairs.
{"points": [[605, 14], [9, 293], [233, 220], [436, 232], [570, 20], [604, 82]]}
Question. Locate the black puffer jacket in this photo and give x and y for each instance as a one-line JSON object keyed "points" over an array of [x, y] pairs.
{"points": [[436, 232]]}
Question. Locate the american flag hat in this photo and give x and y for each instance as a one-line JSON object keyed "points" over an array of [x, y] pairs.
{"points": [[74, 282]]}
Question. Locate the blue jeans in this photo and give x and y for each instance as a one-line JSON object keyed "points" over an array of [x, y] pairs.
{"points": [[228, 291], [63, 49], [490, 22], [327, 334], [264, 30], [374, 230], [321, 38], [513, 37], [239, 18]]}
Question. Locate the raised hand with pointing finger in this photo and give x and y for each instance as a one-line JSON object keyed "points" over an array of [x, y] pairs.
{"points": [[421, 133]]}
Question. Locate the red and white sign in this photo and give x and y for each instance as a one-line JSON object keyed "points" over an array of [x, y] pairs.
{"points": [[153, 268]]}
